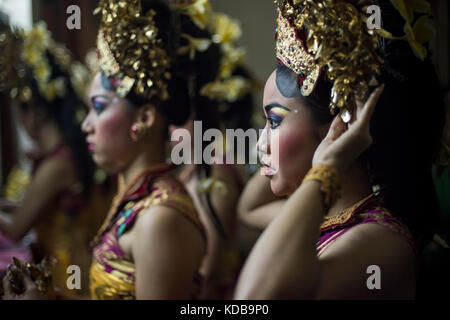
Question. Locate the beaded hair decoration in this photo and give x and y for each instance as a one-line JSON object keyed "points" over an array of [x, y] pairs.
{"points": [[332, 37], [130, 50]]}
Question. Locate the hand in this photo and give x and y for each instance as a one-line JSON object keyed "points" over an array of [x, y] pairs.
{"points": [[31, 291], [345, 143]]}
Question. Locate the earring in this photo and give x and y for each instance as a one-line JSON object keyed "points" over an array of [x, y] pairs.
{"points": [[136, 130]]}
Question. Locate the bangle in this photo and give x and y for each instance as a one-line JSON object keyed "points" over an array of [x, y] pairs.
{"points": [[329, 180]]}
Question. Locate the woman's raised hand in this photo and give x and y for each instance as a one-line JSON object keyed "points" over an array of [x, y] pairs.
{"points": [[344, 143]]}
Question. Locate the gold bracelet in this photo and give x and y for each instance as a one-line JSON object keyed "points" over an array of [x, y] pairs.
{"points": [[329, 180]]}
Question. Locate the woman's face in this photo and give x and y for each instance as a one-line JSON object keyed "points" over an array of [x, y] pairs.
{"points": [[107, 126], [289, 140]]}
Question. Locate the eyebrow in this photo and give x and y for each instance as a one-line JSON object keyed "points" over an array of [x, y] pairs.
{"points": [[275, 105]]}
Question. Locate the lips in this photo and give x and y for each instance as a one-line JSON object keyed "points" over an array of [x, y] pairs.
{"points": [[267, 170], [90, 145]]}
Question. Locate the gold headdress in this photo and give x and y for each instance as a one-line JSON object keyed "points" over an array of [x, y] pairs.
{"points": [[130, 50], [23, 51], [332, 37]]}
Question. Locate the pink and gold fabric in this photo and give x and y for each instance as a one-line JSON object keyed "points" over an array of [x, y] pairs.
{"points": [[112, 273], [368, 210]]}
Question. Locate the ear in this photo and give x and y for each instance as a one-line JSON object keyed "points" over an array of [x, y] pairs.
{"points": [[147, 115]]}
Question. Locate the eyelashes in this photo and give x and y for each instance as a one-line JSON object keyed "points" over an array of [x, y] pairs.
{"points": [[101, 102], [274, 121], [99, 107], [276, 114]]}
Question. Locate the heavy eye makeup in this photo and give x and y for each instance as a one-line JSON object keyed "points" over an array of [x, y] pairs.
{"points": [[275, 114], [99, 103]]}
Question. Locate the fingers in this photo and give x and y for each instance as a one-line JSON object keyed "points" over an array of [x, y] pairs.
{"points": [[336, 129]]}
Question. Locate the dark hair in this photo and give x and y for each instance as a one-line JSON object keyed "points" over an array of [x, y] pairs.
{"points": [[406, 129], [62, 111], [187, 76]]}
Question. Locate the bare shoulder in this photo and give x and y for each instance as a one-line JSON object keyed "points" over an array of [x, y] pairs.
{"points": [[364, 250], [163, 221]]}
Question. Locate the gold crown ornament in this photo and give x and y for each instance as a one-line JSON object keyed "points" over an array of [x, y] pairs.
{"points": [[130, 50], [292, 52], [332, 37]]}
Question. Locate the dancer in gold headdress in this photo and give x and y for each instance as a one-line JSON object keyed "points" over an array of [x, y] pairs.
{"points": [[221, 100], [47, 86], [361, 199], [152, 242]]}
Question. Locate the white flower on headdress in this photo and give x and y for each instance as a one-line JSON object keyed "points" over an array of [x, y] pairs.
{"points": [[232, 57], [230, 90], [225, 29], [199, 11], [194, 45], [41, 71]]}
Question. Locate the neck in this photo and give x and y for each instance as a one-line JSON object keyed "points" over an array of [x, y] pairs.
{"points": [[48, 138], [149, 157], [354, 187]]}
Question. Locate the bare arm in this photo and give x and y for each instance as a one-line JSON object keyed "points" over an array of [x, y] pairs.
{"points": [[167, 250], [258, 205], [287, 248], [225, 204], [53, 176]]}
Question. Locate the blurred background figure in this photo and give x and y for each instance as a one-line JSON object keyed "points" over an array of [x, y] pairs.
{"points": [[59, 199], [221, 98]]}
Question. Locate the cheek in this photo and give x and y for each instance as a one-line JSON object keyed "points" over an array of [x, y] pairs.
{"points": [[287, 144], [113, 132], [292, 156]]}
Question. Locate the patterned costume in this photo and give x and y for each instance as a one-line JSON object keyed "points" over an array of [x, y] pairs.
{"points": [[112, 274], [368, 210]]}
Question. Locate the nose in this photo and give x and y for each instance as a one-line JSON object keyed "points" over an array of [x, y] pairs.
{"points": [[87, 126], [263, 145]]}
